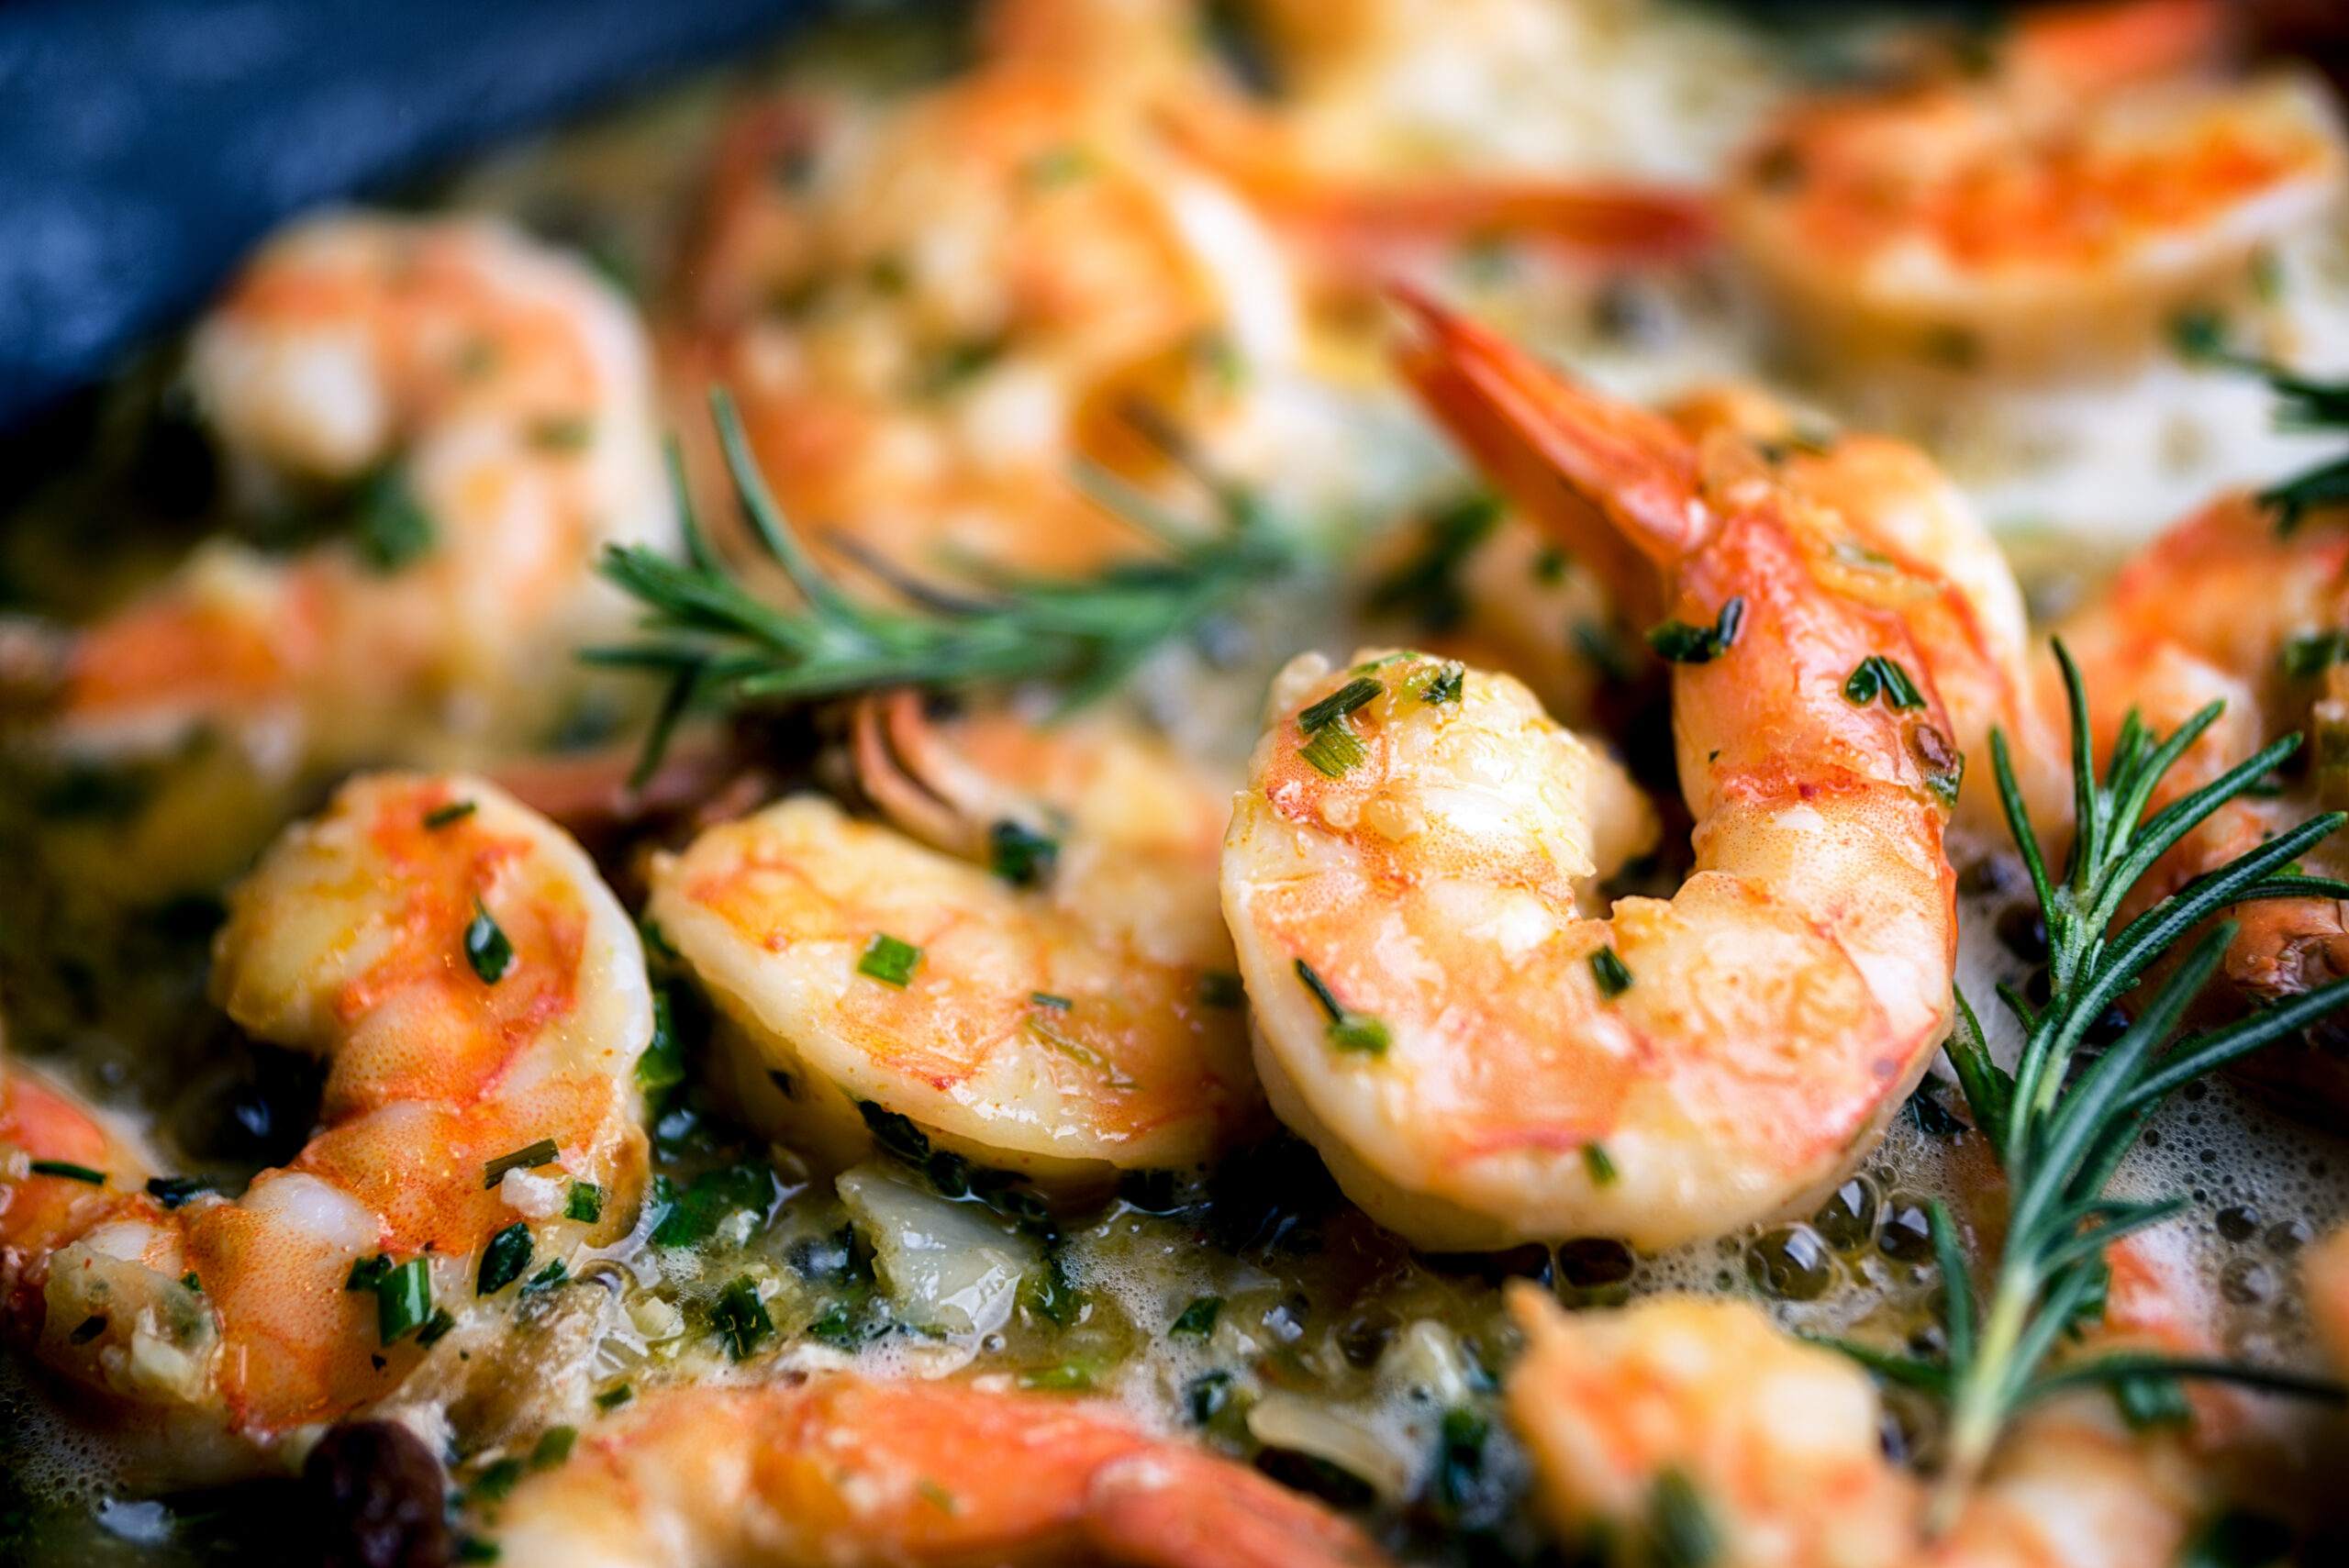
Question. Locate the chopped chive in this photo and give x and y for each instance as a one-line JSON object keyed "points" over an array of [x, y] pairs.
{"points": [[584, 1202], [613, 1398], [455, 811], [436, 1328], [173, 1191], [1681, 1532], [1447, 686], [1598, 1163], [547, 1278], [1198, 1320], [403, 1301], [889, 961], [554, 1447], [1683, 644], [68, 1171], [1046, 999], [1069, 1378], [1348, 1030], [527, 1158], [367, 1272], [1333, 751], [1614, 976], [897, 1133], [1019, 855], [190, 1280], [503, 1261], [486, 948], [1877, 675], [1050, 1293], [497, 1481], [89, 1328], [741, 1318], [1357, 693], [1221, 988], [471, 1548]]}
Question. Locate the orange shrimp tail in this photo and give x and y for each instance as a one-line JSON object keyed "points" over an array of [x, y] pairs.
{"points": [[1529, 428]]}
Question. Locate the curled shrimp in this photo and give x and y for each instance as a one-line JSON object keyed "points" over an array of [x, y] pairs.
{"points": [[983, 280], [1063, 1007], [2051, 215], [490, 405], [1681, 1422], [1407, 851], [480, 1000], [837, 1471]]}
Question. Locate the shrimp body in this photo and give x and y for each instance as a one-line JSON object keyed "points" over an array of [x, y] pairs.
{"points": [[835, 1472], [1676, 1068], [1059, 1028], [351, 942], [490, 404], [2048, 216]]}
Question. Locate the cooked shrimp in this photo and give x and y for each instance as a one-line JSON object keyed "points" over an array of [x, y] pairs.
{"points": [[490, 403], [1681, 1422], [835, 1472], [2052, 214], [980, 283], [1694, 1419], [1681, 1067], [2226, 607], [1060, 1014], [479, 999]]}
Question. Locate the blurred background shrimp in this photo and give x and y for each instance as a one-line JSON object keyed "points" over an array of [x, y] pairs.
{"points": [[445, 423], [2048, 216], [1028, 965], [835, 1471], [480, 1000]]}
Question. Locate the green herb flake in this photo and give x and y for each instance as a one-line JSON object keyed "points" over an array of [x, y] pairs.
{"points": [[1046, 999], [611, 1399], [1348, 1030], [1879, 676], [1019, 855], [1681, 643], [547, 1278], [436, 1328], [1460, 1456], [1599, 1164], [392, 529], [403, 1301], [938, 1497], [663, 1066], [1209, 1395], [486, 948], [1197, 1321], [889, 961], [1448, 684], [1550, 566], [584, 1203], [192, 1282], [66, 1170], [1068, 1377], [497, 1481], [1333, 753], [471, 1548], [89, 1328], [1614, 976], [1050, 1295], [554, 1447], [2147, 1402], [1356, 694], [2305, 657], [446, 815], [527, 1158], [740, 1317], [367, 1272], [692, 1217], [900, 1135], [1681, 1532], [505, 1259]]}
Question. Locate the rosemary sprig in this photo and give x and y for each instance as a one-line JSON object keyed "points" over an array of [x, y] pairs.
{"points": [[719, 644], [2062, 1123]]}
